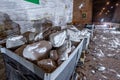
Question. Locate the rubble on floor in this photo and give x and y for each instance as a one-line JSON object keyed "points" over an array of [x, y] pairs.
{"points": [[103, 60]]}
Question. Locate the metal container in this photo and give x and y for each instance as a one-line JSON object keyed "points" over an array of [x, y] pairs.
{"points": [[18, 68]]}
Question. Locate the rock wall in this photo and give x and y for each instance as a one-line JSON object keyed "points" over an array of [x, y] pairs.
{"points": [[23, 12]]}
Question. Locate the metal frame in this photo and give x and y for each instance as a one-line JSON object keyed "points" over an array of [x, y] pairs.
{"points": [[63, 72]]}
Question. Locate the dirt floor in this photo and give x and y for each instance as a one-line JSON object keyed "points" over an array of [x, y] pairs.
{"points": [[103, 60]]}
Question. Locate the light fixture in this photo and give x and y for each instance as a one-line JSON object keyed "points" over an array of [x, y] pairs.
{"points": [[108, 11], [116, 4], [111, 6], [108, 3], [103, 8], [100, 13]]}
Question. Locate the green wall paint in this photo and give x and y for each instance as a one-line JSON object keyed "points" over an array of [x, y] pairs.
{"points": [[34, 1]]}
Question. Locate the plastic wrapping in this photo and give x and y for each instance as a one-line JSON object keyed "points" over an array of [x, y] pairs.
{"points": [[48, 65], [57, 39], [54, 55], [64, 50], [15, 41], [37, 51]]}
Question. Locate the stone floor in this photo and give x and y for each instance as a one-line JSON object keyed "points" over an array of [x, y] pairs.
{"points": [[103, 60]]}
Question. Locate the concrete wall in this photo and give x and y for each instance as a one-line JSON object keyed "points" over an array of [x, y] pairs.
{"points": [[77, 12], [22, 12]]}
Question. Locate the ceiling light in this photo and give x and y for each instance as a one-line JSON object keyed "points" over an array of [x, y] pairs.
{"points": [[108, 3], [108, 11], [116, 4], [111, 6], [100, 13], [103, 8]]}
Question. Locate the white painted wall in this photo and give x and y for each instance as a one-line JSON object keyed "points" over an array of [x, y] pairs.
{"points": [[22, 12]]}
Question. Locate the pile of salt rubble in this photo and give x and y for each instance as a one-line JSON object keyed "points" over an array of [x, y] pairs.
{"points": [[48, 47]]}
